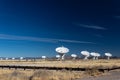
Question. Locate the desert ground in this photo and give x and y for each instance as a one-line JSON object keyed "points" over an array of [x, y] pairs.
{"points": [[68, 63], [40, 74], [112, 75]]}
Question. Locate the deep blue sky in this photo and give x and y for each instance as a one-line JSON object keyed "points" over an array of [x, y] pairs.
{"points": [[34, 28]]}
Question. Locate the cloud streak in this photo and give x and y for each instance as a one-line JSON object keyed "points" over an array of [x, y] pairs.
{"points": [[91, 27], [37, 39], [117, 16]]}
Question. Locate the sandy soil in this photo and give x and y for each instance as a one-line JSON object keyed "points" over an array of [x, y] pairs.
{"points": [[112, 75]]}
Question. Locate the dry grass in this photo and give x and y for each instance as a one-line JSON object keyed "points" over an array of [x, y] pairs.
{"points": [[72, 64], [93, 72], [6, 74], [39, 75]]}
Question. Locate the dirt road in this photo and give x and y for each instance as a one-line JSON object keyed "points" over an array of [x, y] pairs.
{"points": [[112, 75]]}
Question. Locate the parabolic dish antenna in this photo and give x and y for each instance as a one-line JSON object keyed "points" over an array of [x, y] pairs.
{"points": [[108, 55], [58, 57], [86, 54], [73, 56], [13, 58], [6, 58], [21, 58], [95, 55], [43, 57], [1, 58], [62, 51]]}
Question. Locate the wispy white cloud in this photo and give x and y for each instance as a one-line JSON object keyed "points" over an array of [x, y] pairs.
{"points": [[91, 26], [118, 17], [37, 39], [74, 41]]}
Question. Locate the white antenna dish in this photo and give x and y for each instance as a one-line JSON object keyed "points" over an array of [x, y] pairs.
{"points": [[58, 57], [108, 55], [43, 57], [95, 55], [86, 54], [1, 58], [13, 58], [73, 56], [62, 51], [6, 58], [21, 58]]}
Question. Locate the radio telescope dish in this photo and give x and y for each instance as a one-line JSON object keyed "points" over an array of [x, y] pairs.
{"points": [[86, 54], [95, 55], [108, 55], [43, 57], [62, 51], [13, 58], [1, 58], [6, 58], [58, 57], [21, 58], [73, 56]]}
